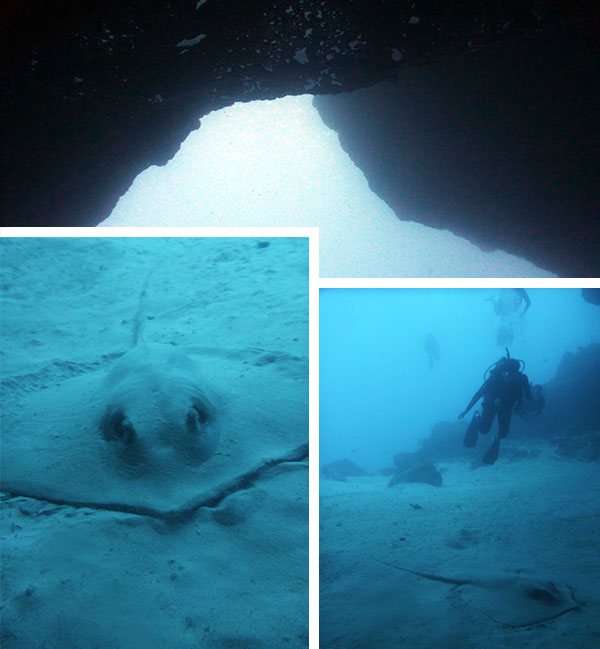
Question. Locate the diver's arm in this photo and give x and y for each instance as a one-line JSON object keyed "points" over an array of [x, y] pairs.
{"points": [[525, 390], [473, 401], [523, 293]]}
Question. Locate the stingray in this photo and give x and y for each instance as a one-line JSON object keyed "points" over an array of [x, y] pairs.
{"points": [[511, 600], [161, 431]]}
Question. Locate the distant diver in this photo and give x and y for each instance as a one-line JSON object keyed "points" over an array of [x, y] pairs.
{"points": [[508, 306], [505, 336], [508, 302], [503, 389], [433, 350]]}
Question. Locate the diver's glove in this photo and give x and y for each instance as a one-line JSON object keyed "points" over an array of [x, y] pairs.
{"points": [[462, 414]]}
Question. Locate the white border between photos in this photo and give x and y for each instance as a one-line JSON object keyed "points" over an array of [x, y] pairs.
{"points": [[468, 282], [171, 231]]}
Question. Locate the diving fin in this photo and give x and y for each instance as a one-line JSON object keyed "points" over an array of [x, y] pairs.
{"points": [[491, 455], [472, 431]]}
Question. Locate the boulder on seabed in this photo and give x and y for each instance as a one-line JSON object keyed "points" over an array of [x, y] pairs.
{"points": [[583, 446], [445, 441], [411, 467], [341, 469]]}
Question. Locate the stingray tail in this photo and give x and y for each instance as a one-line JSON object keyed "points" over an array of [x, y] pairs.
{"points": [[138, 321], [426, 575]]}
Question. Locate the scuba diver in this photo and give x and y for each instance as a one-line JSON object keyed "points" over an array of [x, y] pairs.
{"points": [[508, 302], [510, 305], [532, 408], [433, 350], [505, 336], [503, 389]]}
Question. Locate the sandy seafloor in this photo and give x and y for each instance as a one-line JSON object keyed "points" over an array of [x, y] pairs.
{"points": [[232, 576], [535, 517]]}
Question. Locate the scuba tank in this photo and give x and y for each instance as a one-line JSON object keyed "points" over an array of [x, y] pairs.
{"points": [[503, 379], [497, 366]]}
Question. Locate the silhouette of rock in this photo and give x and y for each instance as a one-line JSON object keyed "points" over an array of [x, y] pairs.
{"points": [[490, 139], [341, 469], [411, 468]]}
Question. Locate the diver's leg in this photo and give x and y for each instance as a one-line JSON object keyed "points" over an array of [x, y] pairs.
{"points": [[487, 417], [491, 455], [503, 422], [472, 431], [481, 423]]}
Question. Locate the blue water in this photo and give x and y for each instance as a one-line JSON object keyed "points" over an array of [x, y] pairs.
{"points": [[378, 394]]}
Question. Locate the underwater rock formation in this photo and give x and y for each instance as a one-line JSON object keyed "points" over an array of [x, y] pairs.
{"points": [[494, 147], [341, 469], [444, 442], [591, 295], [572, 395], [96, 93], [411, 467], [582, 445], [573, 413]]}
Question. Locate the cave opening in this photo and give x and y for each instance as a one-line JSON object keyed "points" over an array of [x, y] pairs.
{"points": [[275, 163]]}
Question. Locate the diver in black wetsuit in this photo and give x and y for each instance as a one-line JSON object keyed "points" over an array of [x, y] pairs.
{"points": [[502, 391]]}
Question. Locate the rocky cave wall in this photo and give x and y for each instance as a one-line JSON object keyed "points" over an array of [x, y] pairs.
{"points": [[500, 147], [95, 92]]}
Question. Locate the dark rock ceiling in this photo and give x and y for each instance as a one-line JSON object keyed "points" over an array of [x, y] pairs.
{"points": [[499, 148], [95, 92]]}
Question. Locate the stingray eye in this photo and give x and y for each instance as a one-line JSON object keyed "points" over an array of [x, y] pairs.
{"points": [[116, 426], [549, 595], [198, 417]]}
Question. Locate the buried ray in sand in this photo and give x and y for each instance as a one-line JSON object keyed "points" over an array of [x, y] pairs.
{"points": [[145, 436], [510, 600], [142, 436]]}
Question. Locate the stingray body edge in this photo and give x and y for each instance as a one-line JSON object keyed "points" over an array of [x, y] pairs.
{"points": [[159, 430], [512, 601]]}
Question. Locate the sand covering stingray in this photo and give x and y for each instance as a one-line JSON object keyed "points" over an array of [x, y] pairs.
{"points": [[55, 443], [514, 601]]}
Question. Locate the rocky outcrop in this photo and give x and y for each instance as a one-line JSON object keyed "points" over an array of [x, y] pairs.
{"points": [[572, 395], [582, 445], [341, 469], [411, 467], [445, 442], [95, 92], [498, 147], [591, 295]]}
